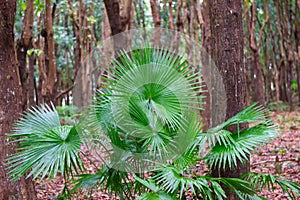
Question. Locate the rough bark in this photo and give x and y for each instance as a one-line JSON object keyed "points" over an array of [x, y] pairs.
{"points": [[125, 14], [77, 27], [275, 67], [179, 25], [257, 76], [284, 26], [23, 45], [227, 51], [171, 23], [199, 13], [31, 82], [157, 21], [10, 103], [269, 73], [113, 13], [155, 13], [141, 14], [106, 33], [206, 38], [50, 59]]}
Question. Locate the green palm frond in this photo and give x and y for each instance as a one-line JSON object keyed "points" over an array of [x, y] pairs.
{"points": [[251, 114], [156, 193], [39, 120], [176, 180], [161, 195], [251, 197], [88, 180], [183, 145], [157, 143], [149, 184], [117, 182], [171, 178], [268, 181], [218, 137], [239, 186], [114, 181], [227, 149], [221, 137], [151, 84], [248, 140], [145, 107], [45, 147]]}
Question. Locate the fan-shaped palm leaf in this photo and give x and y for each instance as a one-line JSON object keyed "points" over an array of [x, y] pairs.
{"points": [[268, 181], [46, 148], [176, 180], [242, 144], [148, 101], [172, 180], [219, 137], [39, 120], [251, 114], [151, 80]]}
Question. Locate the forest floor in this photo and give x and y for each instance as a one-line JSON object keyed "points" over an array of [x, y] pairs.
{"points": [[286, 148]]}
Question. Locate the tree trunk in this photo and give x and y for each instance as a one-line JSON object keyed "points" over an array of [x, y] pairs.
{"points": [[275, 67], [113, 13], [227, 47], [206, 38], [269, 74], [23, 45], [256, 74], [50, 59], [155, 13], [125, 14], [284, 26], [31, 82], [156, 21], [171, 22], [10, 103], [77, 28], [257, 92]]}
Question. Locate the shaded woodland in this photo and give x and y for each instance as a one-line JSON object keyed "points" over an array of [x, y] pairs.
{"points": [[54, 38], [45, 47]]}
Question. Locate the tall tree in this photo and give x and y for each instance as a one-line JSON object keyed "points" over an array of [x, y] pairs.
{"points": [[77, 23], [50, 61], [257, 76], [10, 103], [206, 37], [156, 20], [23, 45], [284, 26], [115, 21], [227, 46]]}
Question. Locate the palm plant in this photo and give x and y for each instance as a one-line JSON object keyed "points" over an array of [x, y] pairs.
{"points": [[225, 149], [44, 146], [145, 128], [267, 181]]}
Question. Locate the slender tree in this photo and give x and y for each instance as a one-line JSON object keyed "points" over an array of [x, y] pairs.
{"points": [[156, 20], [23, 45], [257, 76], [227, 48], [50, 90], [10, 103], [113, 13], [206, 39]]}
